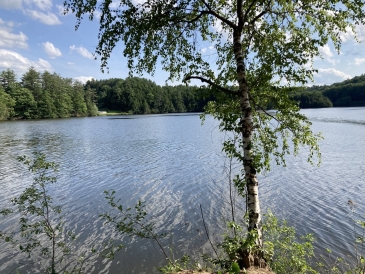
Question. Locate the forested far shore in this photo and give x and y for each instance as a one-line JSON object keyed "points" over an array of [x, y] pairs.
{"points": [[347, 93], [141, 96], [43, 95]]}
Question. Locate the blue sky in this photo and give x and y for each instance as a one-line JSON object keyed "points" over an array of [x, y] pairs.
{"points": [[35, 33]]}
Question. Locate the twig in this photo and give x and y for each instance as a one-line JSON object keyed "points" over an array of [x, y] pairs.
{"points": [[206, 232]]}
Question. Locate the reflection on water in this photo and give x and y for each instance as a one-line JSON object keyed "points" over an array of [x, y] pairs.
{"points": [[175, 164]]}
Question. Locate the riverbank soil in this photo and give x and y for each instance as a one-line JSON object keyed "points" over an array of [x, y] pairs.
{"points": [[251, 270]]}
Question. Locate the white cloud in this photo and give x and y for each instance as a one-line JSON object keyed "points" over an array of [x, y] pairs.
{"points": [[349, 34], [332, 61], [9, 39], [20, 64], [61, 10], [83, 79], [138, 2], [82, 51], [42, 65], [288, 37], [10, 4], [6, 24], [220, 28], [46, 18], [70, 63], [209, 49], [19, 4], [51, 50], [41, 4], [325, 51], [359, 61], [360, 29], [115, 4], [97, 14], [37, 9], [329, 76]]}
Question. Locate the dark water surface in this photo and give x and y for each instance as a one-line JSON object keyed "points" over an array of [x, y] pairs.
{"points": [[175, 164]]}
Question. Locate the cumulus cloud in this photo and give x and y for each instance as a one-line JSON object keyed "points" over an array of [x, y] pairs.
{"points": [[41, 4], [51, 50], [138, 2], [209, 49], [48, 18], [219, 27], [82, 51], [60, 10], [360, 29], [83, 79], [9, 39], [40, 10], [10, 4], [329, 76], [19, 4], [355, 50], [19, 63], [359, 61], [349, 35], [6, 24], [325, 51], [115, 4]]}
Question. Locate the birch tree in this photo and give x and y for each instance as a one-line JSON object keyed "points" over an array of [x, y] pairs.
{"points": [[263, 48]]}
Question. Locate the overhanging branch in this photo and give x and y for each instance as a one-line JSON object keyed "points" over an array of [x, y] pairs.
{"points": [[218, 16], [204, 80]]}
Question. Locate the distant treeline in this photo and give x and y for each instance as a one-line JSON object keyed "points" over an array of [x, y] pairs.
{"points": [[142, 96], [138, 95], [43, 95], [46, 95], [310, 98], [348, 93], [344, 94]]}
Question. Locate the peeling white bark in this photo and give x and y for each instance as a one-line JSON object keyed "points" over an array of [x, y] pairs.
{"points": [[253, 204]]}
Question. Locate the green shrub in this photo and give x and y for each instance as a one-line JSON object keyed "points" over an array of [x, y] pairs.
{"points": [[283, 251]]}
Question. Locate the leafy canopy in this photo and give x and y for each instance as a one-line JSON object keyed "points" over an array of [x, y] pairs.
{"points": [[278, 41], [278, 37]]}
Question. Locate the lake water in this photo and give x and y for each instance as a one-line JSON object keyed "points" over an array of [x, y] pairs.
{"points": [[175, 164]]}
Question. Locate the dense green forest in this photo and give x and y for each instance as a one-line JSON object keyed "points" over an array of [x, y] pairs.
{"points": [[138, 95], [310, 98], [142, 96], [344, 94], [43, 95], [46, 95]]}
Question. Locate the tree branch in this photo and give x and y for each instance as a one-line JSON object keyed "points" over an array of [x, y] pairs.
{"points": [[196, 18], [206, 232], [240, 14], [225, 90], [264, 110], [259, 16], [247, 11], [216, 15]]}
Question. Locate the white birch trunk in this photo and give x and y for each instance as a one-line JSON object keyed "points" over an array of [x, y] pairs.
{"points": [[253, 204]]}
